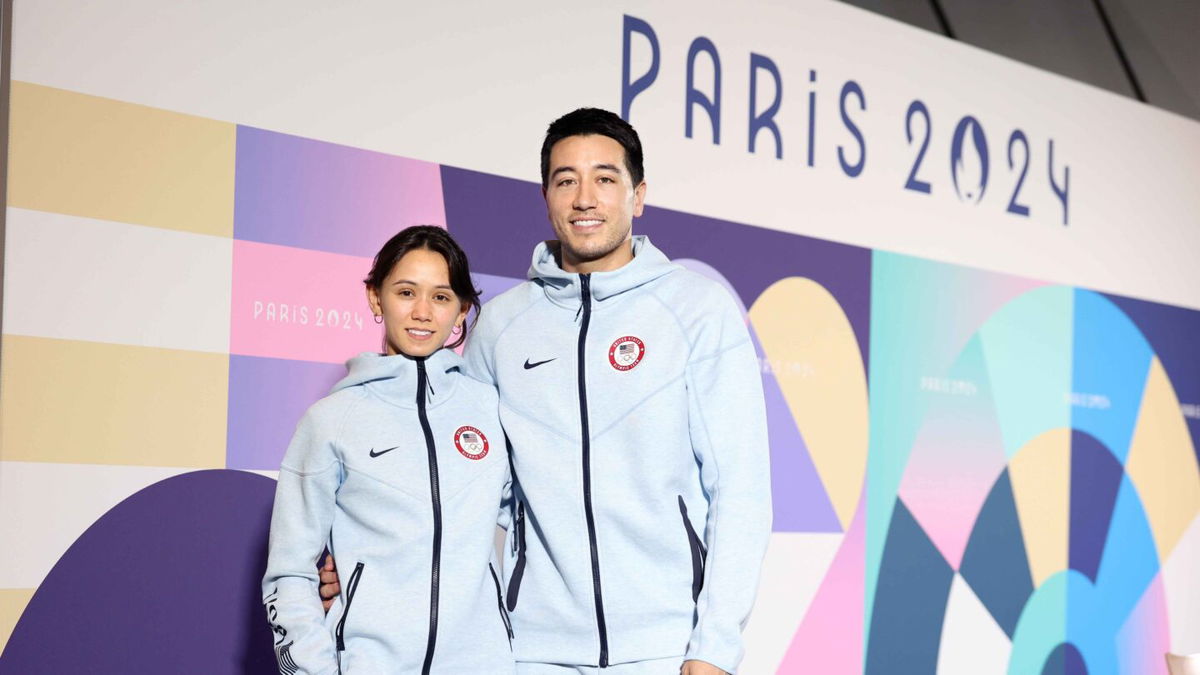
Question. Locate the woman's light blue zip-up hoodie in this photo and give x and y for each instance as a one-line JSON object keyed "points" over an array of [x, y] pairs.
{"points": [[399, 472], [634, 405]]}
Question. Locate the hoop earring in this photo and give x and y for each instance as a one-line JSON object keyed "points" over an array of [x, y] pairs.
{"points": [[378, 318]]}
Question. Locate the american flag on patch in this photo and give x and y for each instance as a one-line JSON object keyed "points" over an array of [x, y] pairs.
{"points": [[470, 438], [626, 348]]}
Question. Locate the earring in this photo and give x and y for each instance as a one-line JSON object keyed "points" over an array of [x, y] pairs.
{"points": [[456, 330], [378, 318]]}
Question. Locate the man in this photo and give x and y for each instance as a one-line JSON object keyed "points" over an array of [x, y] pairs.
{"points": [[631, 397]]}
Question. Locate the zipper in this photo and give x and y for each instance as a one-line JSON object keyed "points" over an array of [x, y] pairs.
{"points": [[696, 547], [586, 292], [500, 604], [351, 589], [514, 581], [436, 497]]}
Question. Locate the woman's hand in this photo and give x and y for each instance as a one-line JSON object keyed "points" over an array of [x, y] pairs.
{"points": [[330, 586], [694, 667]]}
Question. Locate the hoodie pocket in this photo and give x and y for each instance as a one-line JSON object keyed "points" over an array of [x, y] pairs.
{"points": [[500, 604], [351, 589], [699, 553], [514, 582]]}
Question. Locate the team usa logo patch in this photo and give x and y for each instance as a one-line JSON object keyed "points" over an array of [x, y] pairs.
{"points": [[626, 352], [471, 442]]}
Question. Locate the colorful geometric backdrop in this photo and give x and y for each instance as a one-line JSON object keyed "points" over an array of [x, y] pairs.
{"points": [[971, 472]]}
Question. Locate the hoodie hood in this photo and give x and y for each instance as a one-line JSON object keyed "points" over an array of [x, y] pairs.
{"points": [[394, 378], [563, 288]]}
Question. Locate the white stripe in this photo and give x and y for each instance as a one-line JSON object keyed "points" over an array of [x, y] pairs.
{"points": [[972, 641], [78, 278]]}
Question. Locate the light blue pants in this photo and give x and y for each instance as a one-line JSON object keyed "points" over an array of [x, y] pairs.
{"points": [[669, 666]]}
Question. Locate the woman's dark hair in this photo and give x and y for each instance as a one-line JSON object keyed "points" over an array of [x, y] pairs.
{"points": [[589, 121], [431, 238]]}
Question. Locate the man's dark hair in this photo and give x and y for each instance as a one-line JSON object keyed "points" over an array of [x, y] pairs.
{"points": [[589, 121], [431, 238]]}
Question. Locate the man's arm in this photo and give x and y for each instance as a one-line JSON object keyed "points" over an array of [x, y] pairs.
{"points": [[727, 419]]}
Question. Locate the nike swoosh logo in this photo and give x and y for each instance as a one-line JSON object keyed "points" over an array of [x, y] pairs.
{"points": [[529, 365], [376, 454]]}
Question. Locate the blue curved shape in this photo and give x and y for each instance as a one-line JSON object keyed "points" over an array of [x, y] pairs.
{"points": [[1111, 362], [995, 563], [910, 601]]}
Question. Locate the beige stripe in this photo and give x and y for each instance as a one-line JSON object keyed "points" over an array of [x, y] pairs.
{"points": [[94, 403], [13, 602], [88, 156]]}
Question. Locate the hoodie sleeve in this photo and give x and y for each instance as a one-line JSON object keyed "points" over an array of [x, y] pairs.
{"points": [[478, 352], [300, 524], [728, 424]]}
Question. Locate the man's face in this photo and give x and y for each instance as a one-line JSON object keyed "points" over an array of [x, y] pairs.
{"points": [[591, 201]]}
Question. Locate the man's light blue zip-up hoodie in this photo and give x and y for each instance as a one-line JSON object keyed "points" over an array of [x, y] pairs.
{"points": [[399, 472], [634, 405]]}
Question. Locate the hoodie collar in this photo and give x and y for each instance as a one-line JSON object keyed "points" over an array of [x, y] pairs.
{"points": [[394, 378], [564, 288]]}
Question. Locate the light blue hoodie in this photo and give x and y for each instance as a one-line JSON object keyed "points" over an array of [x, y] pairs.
{"points": [[399, 472], [634, 405]]}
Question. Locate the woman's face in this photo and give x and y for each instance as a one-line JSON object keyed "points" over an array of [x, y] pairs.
{"points": [[419, 308]]}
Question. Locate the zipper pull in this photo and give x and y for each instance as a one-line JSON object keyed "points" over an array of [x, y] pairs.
{"points": [[585, 293]]}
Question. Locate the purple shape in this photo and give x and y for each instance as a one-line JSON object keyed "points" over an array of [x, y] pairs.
{"points": [[310, 194], [1095, 479], [267, 397], [496, 220], [165, 582], [490, 285], [753, 258], [798, 497], [1066, 659]]}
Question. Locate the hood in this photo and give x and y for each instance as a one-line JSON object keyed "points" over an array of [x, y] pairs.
{"points": [[563, 288], [394, 378]]}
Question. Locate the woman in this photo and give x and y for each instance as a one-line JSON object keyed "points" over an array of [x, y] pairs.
{"points": [[399, 472]]}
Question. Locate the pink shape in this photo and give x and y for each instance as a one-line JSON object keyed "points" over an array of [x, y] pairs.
{"points": [[290, 303], [830, 638], [311, 194], [1144, 639], [954, 463]]}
